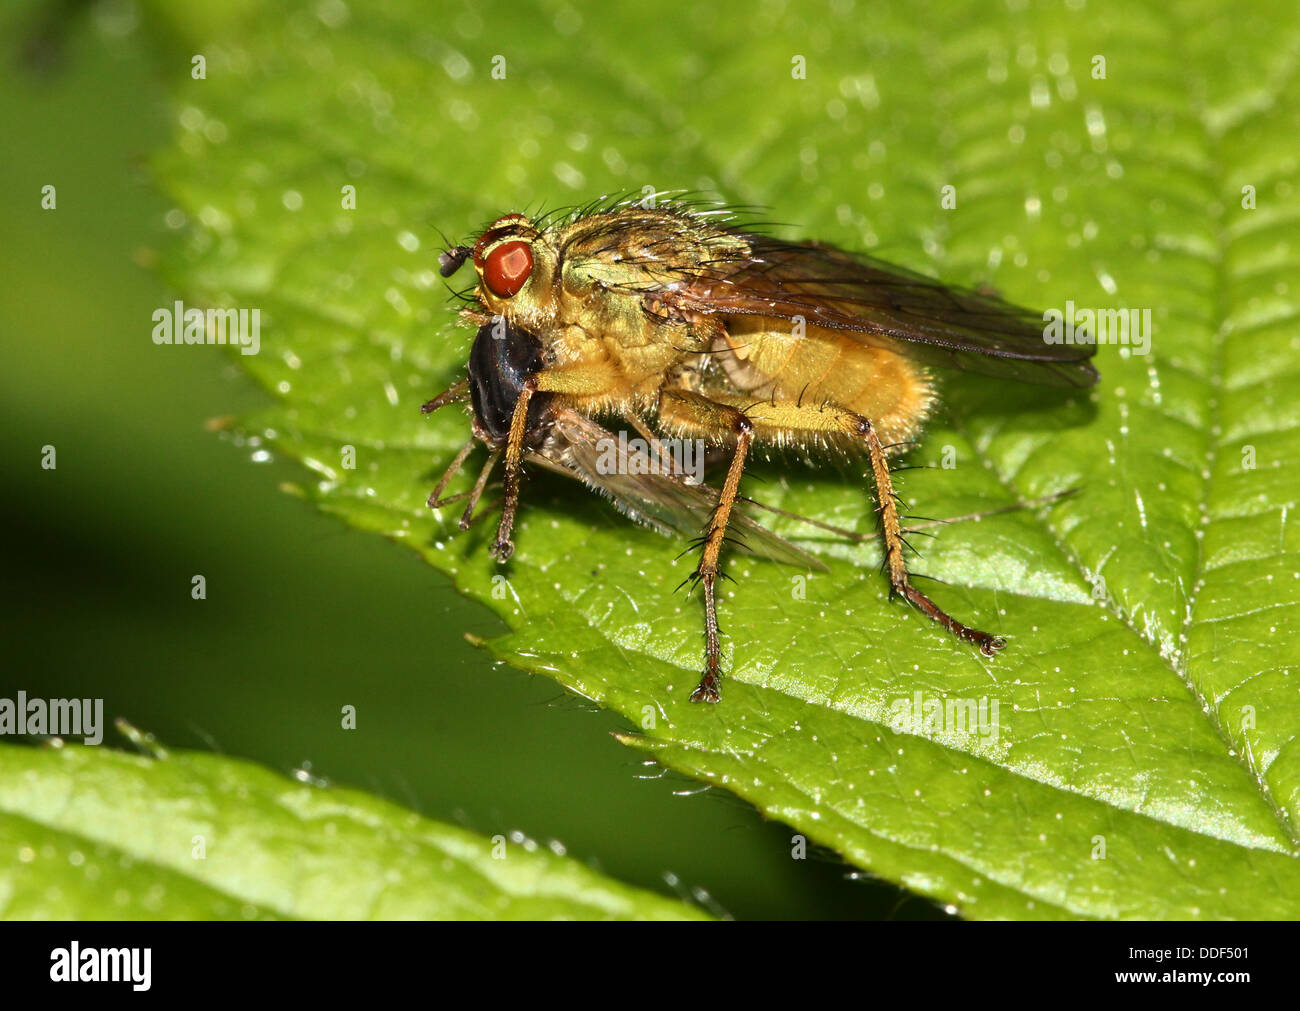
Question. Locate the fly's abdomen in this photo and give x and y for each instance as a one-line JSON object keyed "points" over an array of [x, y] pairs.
{"points": [[768, 359]]}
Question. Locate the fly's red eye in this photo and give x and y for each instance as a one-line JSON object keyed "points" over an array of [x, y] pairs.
{"points": [[507, 267]]}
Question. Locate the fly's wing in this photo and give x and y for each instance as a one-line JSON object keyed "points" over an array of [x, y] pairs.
{"points": [[881, 305], [578, 447]]}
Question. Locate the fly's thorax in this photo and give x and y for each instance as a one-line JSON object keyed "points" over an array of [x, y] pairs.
{"points": [[612, 321], [621, 269], [666, 244], [601, 300], [631, 372]]}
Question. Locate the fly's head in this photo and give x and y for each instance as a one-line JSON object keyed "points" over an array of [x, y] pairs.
{"points": [[516, 265]]}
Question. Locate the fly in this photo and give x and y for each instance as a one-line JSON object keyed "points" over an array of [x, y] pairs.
{"points": [[687, 326]]}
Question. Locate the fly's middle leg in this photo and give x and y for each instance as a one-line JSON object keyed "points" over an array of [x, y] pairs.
{"points": [[691, 413]]}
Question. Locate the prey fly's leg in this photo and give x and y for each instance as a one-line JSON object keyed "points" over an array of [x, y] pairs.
{"points": [[657, 451], [1032, 503], [858, 538], [771, 420], [468, 521], [436, 501], [468, 517], [452, 395], [696, 414]]}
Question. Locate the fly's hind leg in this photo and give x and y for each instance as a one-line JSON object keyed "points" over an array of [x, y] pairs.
{"points": [[899, 581], [691, 413]]}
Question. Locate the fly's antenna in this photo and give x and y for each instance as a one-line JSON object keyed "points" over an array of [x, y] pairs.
{"points": [[453, 257], [450, 261]]}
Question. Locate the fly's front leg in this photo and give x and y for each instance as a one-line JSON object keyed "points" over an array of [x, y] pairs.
{"points": [[504, 547], [691, 413], [580, 383]]}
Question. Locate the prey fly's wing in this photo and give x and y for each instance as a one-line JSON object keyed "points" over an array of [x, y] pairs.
{"points": [[580, 448], [880, 305]]}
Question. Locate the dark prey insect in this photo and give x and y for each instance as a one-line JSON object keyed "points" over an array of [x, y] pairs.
{"points": [[675, 318]]}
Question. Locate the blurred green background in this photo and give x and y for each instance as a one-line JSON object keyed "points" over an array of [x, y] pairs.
{"points": [[301, 613]]}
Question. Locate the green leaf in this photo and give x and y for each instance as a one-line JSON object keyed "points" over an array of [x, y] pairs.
{"points": [[92, 833], [1140, 765]]}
